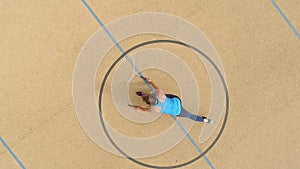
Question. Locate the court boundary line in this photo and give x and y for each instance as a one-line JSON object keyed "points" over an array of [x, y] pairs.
{"points": [[286, 19], [12, 153]]}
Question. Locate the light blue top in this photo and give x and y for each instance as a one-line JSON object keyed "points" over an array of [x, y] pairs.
{"points": [[171, 106]]}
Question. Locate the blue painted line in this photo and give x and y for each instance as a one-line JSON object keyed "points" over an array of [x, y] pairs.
{"points": [[286, 19], [140, 74], [116, 43], [12, 153], [193, 142]]}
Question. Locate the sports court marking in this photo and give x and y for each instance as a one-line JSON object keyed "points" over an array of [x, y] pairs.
{"points": [[139, 73], [193, 142], [12, 153], [286, 19]]}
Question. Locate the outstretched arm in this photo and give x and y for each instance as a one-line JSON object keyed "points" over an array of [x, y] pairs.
{"points": [[140, 109], [151, 83]]}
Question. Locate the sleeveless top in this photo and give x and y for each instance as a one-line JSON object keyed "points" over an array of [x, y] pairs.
{"points": [[171, 106]]}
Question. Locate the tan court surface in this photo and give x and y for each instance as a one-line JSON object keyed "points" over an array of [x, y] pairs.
{"points": [[41, 40]]}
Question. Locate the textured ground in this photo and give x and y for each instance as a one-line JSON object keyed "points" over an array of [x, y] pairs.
{"points": [[40, 43]]}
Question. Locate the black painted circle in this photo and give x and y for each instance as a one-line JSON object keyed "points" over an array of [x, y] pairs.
{"points": [[173, 42]]}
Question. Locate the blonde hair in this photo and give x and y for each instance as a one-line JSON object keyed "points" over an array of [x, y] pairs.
{"points": [[152, 99]]}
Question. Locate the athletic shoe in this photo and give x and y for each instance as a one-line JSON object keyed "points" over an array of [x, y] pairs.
{"points": [[206, 120]]}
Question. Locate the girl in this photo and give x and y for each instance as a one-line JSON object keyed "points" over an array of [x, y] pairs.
{"points": [[159, 102]]}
